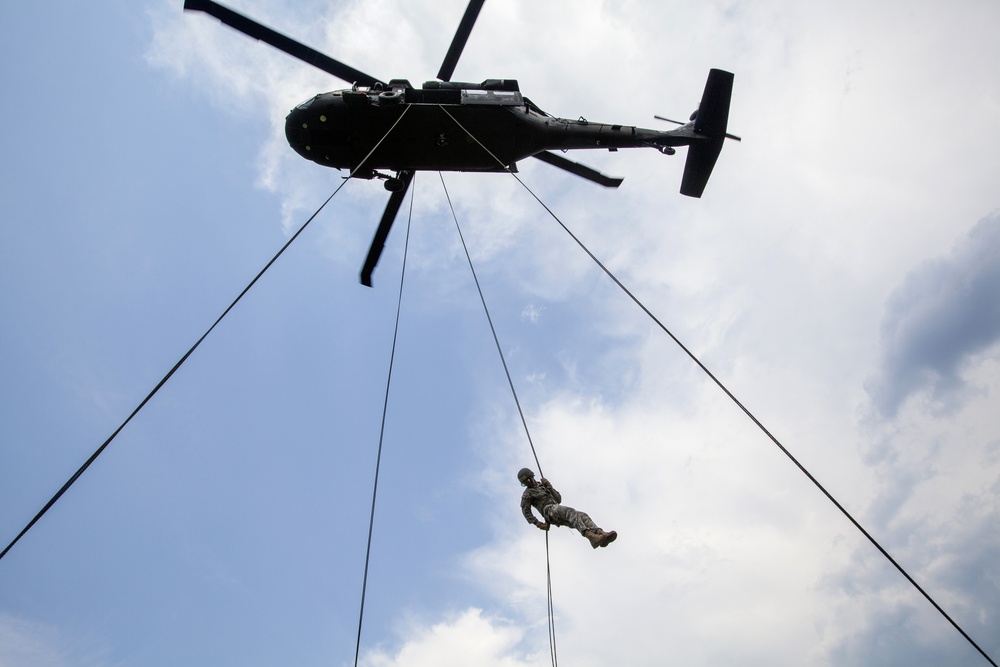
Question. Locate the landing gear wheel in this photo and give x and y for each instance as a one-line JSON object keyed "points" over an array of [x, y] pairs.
{"points": [[393, 184]]}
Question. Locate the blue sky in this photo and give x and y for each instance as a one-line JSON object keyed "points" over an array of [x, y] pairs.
{"points": [[839, 275]]}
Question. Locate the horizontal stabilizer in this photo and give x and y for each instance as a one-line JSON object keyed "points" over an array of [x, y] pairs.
{"points": [[698, 168], [710, 127]]}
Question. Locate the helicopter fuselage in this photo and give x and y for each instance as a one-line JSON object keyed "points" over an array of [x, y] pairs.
{"points": [[454, 126], [447, 126]]}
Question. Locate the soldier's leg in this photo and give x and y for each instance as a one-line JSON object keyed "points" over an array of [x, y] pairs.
{"points": [[561, 515]]}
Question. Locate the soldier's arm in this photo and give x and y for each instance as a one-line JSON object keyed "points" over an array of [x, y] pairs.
{"points": [[526, 511]]}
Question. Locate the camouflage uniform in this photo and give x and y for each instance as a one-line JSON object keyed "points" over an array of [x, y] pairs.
{"points": [[546, 500]]}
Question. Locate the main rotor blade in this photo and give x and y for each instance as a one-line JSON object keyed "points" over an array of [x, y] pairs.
{"points": [[307, 55], [458, 42], [382, 233], [579, 169]]}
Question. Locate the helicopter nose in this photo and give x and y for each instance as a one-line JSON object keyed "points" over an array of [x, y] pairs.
{"points": [[309, 125], [297, 131], [316, 130]]}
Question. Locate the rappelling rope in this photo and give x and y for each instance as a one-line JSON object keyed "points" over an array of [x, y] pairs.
{"points": [[728, 393], [492, 328], [381, 434], [100, 450], [551, 609], [527, 432]]}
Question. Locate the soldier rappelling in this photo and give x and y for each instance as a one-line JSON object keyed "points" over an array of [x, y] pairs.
{"points": [[544, 498]]}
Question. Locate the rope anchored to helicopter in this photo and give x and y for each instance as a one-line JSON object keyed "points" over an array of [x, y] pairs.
{"points": [[550, 607], [745, 410], [93, 457]]}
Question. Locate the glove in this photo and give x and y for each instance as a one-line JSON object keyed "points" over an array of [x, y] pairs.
{"points": [[546, 482], [542, 526]]}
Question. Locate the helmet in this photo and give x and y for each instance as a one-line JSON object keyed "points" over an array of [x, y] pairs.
{"points": [[523, 474]]}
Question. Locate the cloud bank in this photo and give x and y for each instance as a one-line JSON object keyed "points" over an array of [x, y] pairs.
{"points": [[945, 312]]}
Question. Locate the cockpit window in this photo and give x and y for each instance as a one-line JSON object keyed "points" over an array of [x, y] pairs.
{"points": [[308, 103]]}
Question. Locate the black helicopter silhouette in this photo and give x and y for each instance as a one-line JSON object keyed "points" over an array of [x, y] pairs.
{"points": [[460, 126]]}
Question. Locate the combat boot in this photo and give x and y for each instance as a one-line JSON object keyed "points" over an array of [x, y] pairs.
{"points": [[606, 538], [594, 536]]}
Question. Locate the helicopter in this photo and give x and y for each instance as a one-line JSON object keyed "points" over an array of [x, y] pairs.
{"points": [[447, 125]]}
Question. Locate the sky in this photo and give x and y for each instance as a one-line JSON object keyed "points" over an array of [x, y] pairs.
{"points": [[840, 276]]}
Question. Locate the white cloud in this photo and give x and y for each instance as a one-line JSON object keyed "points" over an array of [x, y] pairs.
{"points": [[469, 638], [531, 313]]}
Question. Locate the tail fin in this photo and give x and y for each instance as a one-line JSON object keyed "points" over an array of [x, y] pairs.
{"points": [[710, 125]]}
